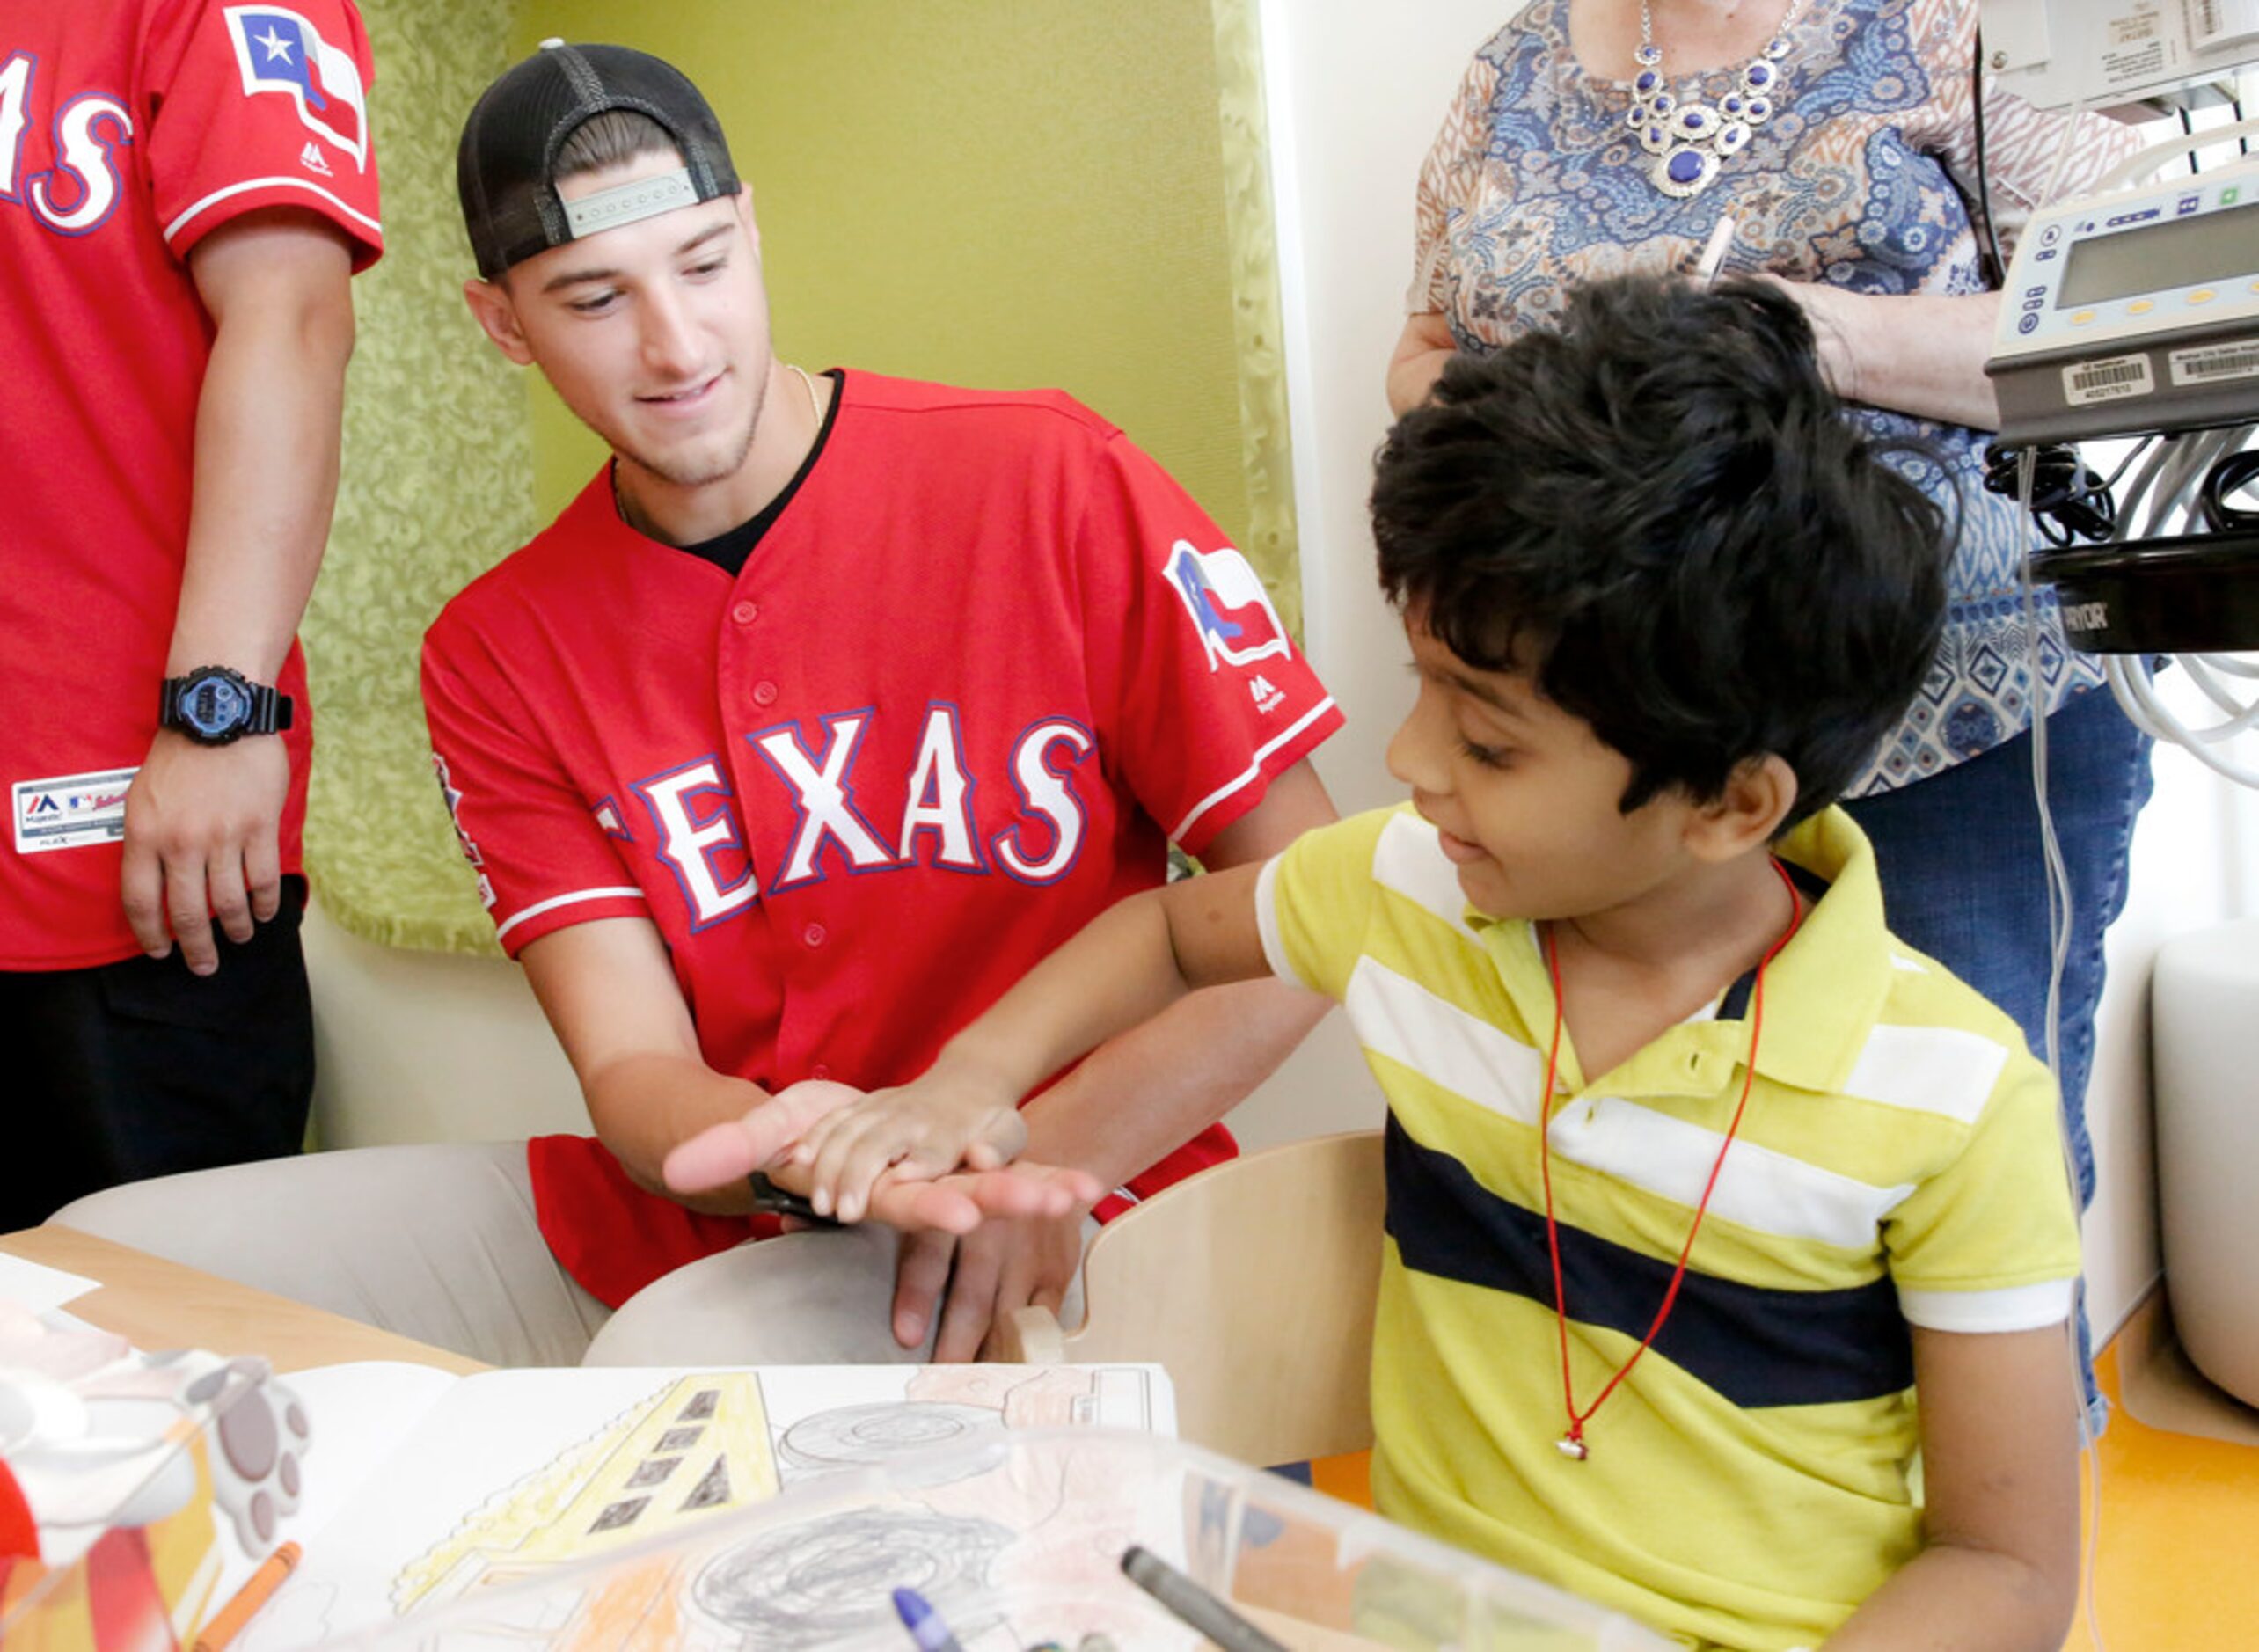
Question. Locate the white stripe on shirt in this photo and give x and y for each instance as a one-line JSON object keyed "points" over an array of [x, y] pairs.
{"points": [[628, 893], [2015, 1308], [173, 229], [1759, 1188], [1254, 770], [1939, 1070]]}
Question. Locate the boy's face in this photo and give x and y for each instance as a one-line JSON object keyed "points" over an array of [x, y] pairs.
{"points": [[655, 334], [1525, 794]]}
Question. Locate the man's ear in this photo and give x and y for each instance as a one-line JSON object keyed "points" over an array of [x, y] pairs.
{"points": [[745, 213], [491, 304], [1756, 798]]}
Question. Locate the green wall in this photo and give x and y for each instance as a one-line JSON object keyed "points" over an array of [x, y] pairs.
{"points": [[993, 192], [436, 486]]}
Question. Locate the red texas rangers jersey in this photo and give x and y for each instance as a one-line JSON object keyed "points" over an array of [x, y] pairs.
{"points": [[130, 131], [985, 663]]}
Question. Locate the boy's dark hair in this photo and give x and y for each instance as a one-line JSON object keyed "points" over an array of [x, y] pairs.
{"points": [[1661, 515]]}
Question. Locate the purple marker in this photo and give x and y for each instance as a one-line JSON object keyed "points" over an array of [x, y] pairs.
{"points": [[924, 1623]]}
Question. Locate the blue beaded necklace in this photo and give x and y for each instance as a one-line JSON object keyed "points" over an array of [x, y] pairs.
{"points": [[1689, 138]]}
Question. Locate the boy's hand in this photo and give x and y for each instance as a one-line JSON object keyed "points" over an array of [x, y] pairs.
{"points": [[917, 1132], [764, 1136], [730, 1153]]}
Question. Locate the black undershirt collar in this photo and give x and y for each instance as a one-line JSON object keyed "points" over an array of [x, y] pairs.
{"points": [[730, 551]]}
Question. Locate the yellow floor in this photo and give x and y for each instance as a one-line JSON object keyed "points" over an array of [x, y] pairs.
{"points": [[2177, 1568]]}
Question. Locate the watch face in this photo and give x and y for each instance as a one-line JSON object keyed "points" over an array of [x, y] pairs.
{"points": [[213, 705]]}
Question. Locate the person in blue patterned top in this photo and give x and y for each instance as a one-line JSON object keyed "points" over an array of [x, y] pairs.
{"points": [[1828, 145]]}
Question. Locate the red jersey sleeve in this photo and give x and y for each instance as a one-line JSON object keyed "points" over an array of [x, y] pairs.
{"points": [[545, 857], [1211, 698], [261, 105]]}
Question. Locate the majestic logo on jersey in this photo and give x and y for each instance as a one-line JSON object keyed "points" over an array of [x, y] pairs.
{"points": [[75, 196], [1229, 607], [313, 160], [280, 52]]}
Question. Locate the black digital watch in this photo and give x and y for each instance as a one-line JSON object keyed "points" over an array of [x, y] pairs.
{"points": [[214, 707]]}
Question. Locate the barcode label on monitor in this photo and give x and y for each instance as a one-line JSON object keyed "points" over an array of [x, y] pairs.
{"points": [[2237, 360], [2110, 379], [2217, 23]]}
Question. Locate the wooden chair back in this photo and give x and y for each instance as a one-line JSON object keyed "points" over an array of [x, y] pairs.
{"points": [[1253, 1283]]}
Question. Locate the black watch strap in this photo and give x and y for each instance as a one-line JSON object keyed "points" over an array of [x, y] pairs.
{"points": [[266, 710]]}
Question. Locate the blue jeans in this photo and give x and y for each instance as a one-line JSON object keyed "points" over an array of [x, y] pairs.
{"points": [[1963, 880]]}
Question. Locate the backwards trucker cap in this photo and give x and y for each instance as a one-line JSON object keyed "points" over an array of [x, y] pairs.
{"points": [[505, 166]]}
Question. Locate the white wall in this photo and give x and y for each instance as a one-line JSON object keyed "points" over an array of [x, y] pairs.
{"points": [[2196, 864], [1357, 93], [429, 1047]]}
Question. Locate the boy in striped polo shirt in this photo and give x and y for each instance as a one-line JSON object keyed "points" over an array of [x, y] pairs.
{"points": [[1713, 1210]]}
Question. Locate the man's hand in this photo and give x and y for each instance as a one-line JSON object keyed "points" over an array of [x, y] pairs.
{"points": [[910, 1197], [920, 1130], [1003, 1265], [843, 1141], [203, 841]]}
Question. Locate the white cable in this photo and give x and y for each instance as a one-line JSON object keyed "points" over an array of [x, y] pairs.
{"points": [[2143, 161], [2136, 693], [2059, 921]]}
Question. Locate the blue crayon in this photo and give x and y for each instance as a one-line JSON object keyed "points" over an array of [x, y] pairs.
{"points": [[925, 1625]]}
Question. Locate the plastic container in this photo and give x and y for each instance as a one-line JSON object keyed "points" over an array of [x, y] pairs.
{"points": [[157, 1484], [1017, 1542]]}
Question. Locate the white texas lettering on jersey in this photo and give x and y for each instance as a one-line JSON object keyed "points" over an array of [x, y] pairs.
{"points": [[940, 796], [825, 798], [689, 840], [78, 194], [1046, 791]]}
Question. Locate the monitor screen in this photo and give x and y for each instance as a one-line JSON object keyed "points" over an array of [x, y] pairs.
{"points": [[2211, 246]]}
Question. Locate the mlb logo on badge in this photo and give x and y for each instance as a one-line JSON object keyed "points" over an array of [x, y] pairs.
{"points": [[280, 52], [1229, 607], [70, 811]]}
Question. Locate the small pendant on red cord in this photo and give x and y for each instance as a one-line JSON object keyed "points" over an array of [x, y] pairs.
{"points": [[1572, 1445]]}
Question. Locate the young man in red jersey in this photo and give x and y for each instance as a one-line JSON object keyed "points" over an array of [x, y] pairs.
{"points": [[185, 190], [832, 704]]}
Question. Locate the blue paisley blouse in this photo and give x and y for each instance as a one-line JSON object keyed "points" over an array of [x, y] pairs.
{"points": [[1864, 176]]}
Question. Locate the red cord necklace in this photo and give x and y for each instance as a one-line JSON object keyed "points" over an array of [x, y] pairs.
{"points": [[1572, 1444]]}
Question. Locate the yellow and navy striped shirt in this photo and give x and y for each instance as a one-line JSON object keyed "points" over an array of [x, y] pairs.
{"points": [[1753, 1479]]}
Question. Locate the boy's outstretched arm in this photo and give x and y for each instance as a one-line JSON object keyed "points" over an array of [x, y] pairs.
{"points": [[2000, 1478], [1126, 965]]}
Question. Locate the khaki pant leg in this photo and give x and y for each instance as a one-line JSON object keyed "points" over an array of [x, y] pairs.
{"points": [[435, 1242], [819, 1297]]}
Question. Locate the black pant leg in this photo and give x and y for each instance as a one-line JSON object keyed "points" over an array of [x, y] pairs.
{"points": [[139, 1068]]}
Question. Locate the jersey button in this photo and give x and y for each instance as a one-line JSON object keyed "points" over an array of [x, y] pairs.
{"points": [[745, 613], [813, 934], [819, 1071], [764, 693]]}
